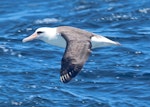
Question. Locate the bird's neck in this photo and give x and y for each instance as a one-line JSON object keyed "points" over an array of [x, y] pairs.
{"points": [[54, 38]]}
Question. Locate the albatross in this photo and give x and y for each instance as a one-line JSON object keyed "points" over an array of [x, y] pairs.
{"points": [[77, 43]]}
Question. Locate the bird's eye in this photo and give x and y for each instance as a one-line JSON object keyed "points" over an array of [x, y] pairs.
{"points": [[39, 32]]}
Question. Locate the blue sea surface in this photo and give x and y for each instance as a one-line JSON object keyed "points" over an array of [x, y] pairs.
{"points": [[112, 77]]}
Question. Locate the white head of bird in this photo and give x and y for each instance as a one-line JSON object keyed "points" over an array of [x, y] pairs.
{"points": [[48, 35], [43, 33]]}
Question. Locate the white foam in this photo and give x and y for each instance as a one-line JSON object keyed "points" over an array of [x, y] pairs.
{"points": [[47, 21], [4, 48], [10, 51], [145, 10]]}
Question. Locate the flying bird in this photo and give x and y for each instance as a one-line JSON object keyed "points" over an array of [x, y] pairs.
{"points": [[77, 43]]}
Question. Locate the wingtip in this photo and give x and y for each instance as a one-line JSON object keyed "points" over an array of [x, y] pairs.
{"points": [[118, 44]]}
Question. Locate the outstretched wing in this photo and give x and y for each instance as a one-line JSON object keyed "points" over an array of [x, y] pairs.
{"points": [[76, 54]]}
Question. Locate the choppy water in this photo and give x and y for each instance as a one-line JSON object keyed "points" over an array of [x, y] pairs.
{"points": [[112, 77]]}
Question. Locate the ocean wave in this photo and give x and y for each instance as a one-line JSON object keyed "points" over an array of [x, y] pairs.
{"points": [[47, 21], [117, 17], [144, 10], [10, 51]]}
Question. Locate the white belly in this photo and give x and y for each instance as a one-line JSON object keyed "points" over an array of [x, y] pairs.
{"points": [[57, 41]]}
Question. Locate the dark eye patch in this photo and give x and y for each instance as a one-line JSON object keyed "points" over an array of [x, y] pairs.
{"points": [[39, 32]]}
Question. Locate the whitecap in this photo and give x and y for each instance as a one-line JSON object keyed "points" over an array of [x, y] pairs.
{"points": [[19, 55], [10, 51], [29, 29], [15, 103], [47, 21], [117, 17], [4, 48], [138, 52], [144, 10]]}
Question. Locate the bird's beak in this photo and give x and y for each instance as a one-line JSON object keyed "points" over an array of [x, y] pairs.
{"points": [[30, 38]]}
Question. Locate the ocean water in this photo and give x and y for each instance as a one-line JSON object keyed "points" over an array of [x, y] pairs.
{"points": [[112, 76]]}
